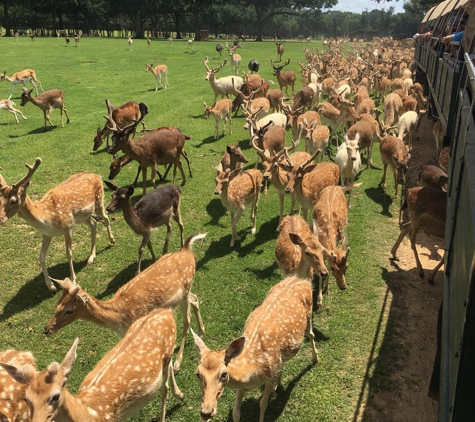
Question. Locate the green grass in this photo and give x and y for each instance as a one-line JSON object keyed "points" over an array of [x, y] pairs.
{"points": [[229, 283]]}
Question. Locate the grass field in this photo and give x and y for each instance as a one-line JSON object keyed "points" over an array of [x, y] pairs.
{"points": [[229, 283]]}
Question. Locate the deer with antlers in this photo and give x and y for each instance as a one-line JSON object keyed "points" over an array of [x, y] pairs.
{"points": [[280, 50], [165, 284], [221, 86], [47, 101], [27, 75], [125, 385], [8, 105], [273, 334], [158, 72], [158, 147], [124, 115], [72, 202], [284, 79], [237, 189]]}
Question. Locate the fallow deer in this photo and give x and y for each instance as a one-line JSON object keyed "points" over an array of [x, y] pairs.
{"points": [[130, 42], [153, 210], [348, 159], [125, 385], [72, 202], [317, 137], [27, 75], [280, 50], [165, 284], [158, 72], [427, 210], [47, 101], [284, 79], [77, 38], [237, 189], [332, 116], [432, 175], [8, 105], [221, 110], [393, 154], [235, 59], [232, 159], [273, 334]]}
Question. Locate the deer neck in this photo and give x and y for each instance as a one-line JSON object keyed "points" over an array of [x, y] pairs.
{"points": [[12, 80], [303, 269], [108, 314], [74, 409], [131, 217], [36, 215], [135, 149]]}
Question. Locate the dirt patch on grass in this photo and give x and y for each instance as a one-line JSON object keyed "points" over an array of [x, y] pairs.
{"points": [[398, 389]]}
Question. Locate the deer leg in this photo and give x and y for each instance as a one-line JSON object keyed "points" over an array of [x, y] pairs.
{"points": [[254, 215], [144, 179], [31, 80], [185, 309], [166, 80], [69, 253], [45, 242], [175, 390], [420, 270], [180, 166], [167, 238], [405, 229], [319, 294], [93, 226], [18, 111], [47, 114], [268, 390], [16, 117], [237, 404], [234, 221], [100, 211], [184, 154], [67, 115], [434, 272], [216, 130], [177, 218], [61, 113], [311, 337], [383, 180], [195, 305], [164, 389]]}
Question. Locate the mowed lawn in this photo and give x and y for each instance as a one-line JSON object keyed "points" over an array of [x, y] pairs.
{"points": [[229, 283]]}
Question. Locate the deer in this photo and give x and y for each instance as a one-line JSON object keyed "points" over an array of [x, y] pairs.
{"points": [[332, 116], [280, 50], [285, 79], [331, 215], [149, 42], [275, 97], [155, 148], [317, 136], [153, 210], [77, 38], [22, 77], [158, 72], [8, 105], [235, 59], [130, 41], [13, 406], [232, 159], [427, 211], [273, 334], [250, 91], [348, 159], [307, 180], [190, 43], [46, 101], [221, 110], [150, 339], [222, 86], [124, 115], [237, 189], [72, 202], [165, 284], [433, 176]]}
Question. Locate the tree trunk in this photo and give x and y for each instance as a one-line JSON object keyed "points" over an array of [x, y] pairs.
{"points": [[259, 24], [138, 25], [177, 20], [6, 19]]}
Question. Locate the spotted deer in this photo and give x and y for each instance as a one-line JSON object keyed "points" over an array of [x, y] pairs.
{"points": [[165, 284], [72, 202], [221, 110], [47, 101], [27, 75], [125, 385], [232, 159], [331, 216], [13, 407], [237, 189], [273, 334]]}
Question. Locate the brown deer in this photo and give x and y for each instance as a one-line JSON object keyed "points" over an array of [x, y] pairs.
{"points": [[153, 210], [47, 101], [13, 406], [124, 115], [232, 159], [158, 147], [27, 75], [393, 154], [8, 105], [427, 210], [235, 59], [165, 284], [285, 79], [158, 72], [72, 202], [125, 385], [331, 215], [237, 189], [273, 334], [221, 110], [280, 50]]}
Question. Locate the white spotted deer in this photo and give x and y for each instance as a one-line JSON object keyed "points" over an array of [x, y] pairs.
{"points": [[273, 334], [119, 385], [165, 284], [237, 189], [72, 202], [221, 110]]}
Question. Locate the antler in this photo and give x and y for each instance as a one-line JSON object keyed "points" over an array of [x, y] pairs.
{"points": [[313, 157], [31, 171], [286, 63], [3, 184], [205, 61], [287, 156]]}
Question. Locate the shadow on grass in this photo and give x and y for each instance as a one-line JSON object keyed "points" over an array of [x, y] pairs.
{"points": [[379, 196], [123, 277], [42, 129]]}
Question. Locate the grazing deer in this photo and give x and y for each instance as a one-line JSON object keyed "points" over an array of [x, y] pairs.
{"points": [[235, 59], [273, 334], [13, 406], [153, 210], [125, 385], [222, 86], [165, 284], [427, 210], [8, 105], [27, 75], [280, 50], [331, 215], [77, 38], [47, 101], [221, 110], [33, 35], [124, 115], [71, 202], [158, 72], [238, 189], [155, 148], [285, 79]]}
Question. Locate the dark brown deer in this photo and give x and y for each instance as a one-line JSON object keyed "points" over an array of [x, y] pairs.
{"points": [[284, 79], [280, 50]]}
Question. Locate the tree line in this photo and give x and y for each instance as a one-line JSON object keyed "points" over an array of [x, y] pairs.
{"points": [[256, 19]]}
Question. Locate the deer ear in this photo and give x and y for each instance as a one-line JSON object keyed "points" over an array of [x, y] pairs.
{"points": [[229, 150], [344, 242], [234, 349], [99, 131], [70, 358], [295, 239], [111, 186], [315, 228], [84, 297], [22, 375], [130, 191], [199, 344]]}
